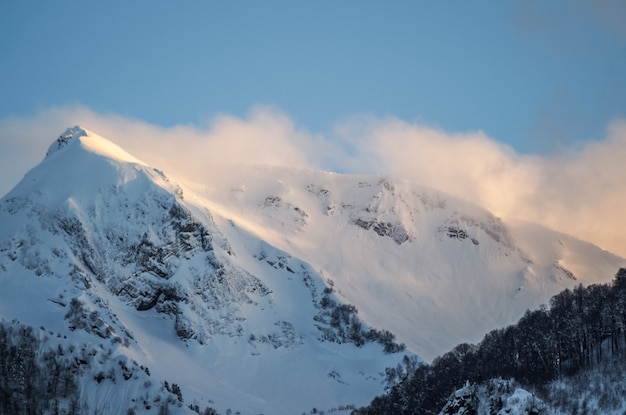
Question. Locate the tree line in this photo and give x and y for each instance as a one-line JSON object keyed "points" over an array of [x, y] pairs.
{"points": [[34, 382], [580, 328]]}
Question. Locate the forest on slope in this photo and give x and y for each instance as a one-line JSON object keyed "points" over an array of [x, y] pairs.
{"points": [[581, 329]]}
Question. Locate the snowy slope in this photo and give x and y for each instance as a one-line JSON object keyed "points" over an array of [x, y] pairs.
{"points": [[104, 250], [270, 289], [431, 268]]}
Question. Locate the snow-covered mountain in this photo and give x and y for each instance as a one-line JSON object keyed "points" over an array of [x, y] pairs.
{"points": [[431, 268], [269, 290]]}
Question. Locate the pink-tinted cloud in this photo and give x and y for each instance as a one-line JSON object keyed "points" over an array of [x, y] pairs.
{"points": [[580, 191]]}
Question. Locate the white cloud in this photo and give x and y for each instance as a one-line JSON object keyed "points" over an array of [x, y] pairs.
{"points": [[189, 152], [581, 191]]}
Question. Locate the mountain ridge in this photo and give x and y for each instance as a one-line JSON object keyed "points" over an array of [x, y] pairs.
{"points": [[357, 222]]}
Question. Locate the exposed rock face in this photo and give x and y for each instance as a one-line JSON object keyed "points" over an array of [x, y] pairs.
{"points": [[496, 396], [395, 232], [462, 402], [161, 258], [134, 236]]}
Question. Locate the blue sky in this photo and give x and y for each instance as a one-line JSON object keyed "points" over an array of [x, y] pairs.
{"points": [[519, 106], [533, 74]]}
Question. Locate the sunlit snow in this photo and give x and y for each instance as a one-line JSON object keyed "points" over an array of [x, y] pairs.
{"points": [[230, 308]]}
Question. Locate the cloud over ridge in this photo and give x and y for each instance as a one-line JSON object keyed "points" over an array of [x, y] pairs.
{"points": [[580, 191]]}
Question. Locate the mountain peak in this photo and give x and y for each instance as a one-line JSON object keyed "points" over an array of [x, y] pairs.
{"points": [[92, 143], [71, 134]]}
